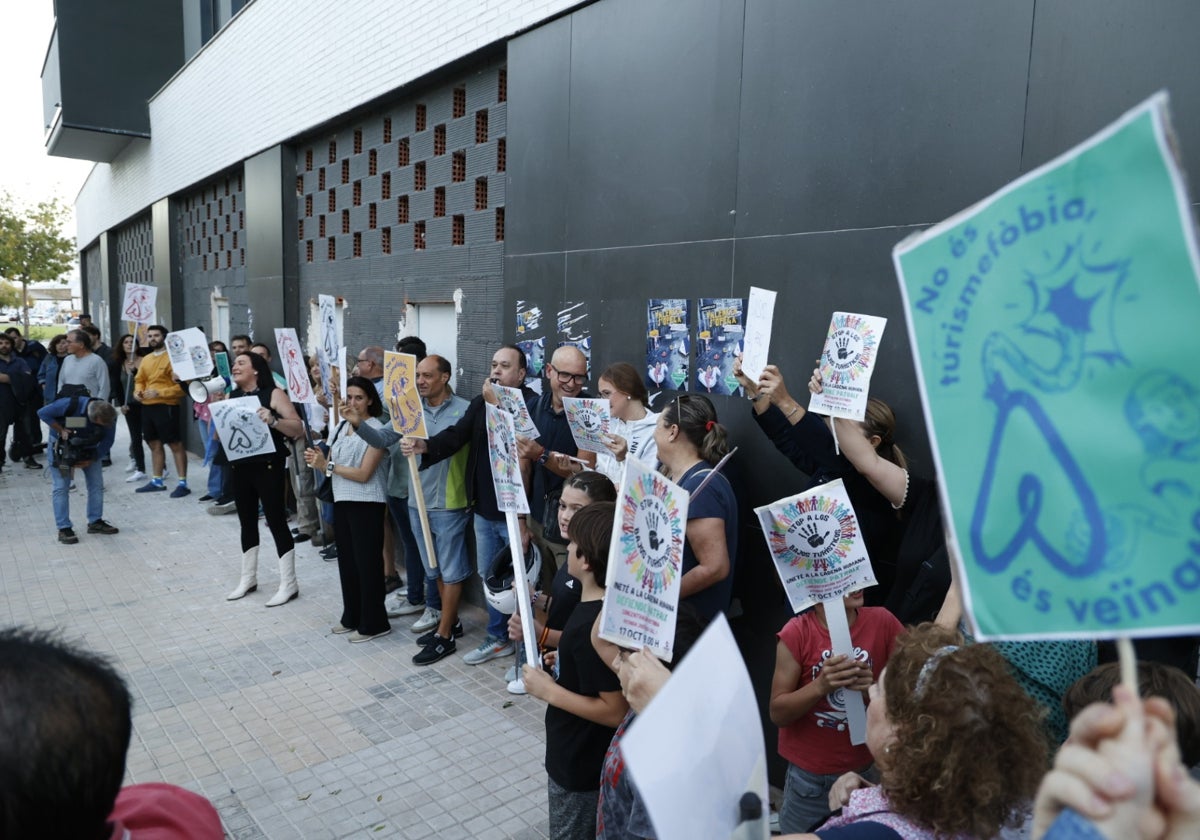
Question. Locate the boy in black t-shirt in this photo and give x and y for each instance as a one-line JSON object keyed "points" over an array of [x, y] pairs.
{"points": [[585, 704]]}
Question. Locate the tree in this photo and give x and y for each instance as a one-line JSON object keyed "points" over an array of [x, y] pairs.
{"points": [[10, 295], [32, 246]]}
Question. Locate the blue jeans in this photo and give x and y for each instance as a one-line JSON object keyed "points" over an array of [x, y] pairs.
{"points": [[490, 538], [421, 590], [805, 800], [449, 530], [60, 495]]}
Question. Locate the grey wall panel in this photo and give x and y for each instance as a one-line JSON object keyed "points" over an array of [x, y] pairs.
{"points": [[1095, 59], [816, 275], [861, 114], [540, 67], [653, 122]]}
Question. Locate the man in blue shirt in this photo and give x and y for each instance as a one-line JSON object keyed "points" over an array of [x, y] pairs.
{"points": [[86, 427]]}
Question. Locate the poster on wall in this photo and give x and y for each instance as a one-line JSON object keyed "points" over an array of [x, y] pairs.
{"points": [[668, 339], [531, 338], [1054, 333], [720, 327], [574, 329]]}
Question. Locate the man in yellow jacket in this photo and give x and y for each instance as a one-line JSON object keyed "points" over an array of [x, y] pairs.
{"points": [[160, 395]]}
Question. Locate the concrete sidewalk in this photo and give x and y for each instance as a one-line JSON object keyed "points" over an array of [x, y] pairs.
{"points": [[291, 731]]}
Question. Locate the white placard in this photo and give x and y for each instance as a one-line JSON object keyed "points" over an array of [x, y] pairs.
{"points": [[343, 374], [760, 312], [645, 562], [513, 401], [697, 748], [295, 372], [506, 465], [330, 337], [589, 420], [138, 305], [851, 349], [189, 355], [242, 432]]}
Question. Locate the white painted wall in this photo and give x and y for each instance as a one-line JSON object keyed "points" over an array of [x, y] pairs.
{"points": [[280, 68]]}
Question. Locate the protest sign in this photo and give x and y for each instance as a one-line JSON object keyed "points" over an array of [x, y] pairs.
{"points": [[138, 305], [188, 352], [326, 373], [343, 373], [820, 556], [221, 360], [847, 361], [511, 499], [513, 401], [588, 420], [698, 747], [645, 562], [241, 431], [329, 335], [760, 312], [291, 356], [668, 332], [1054, 329], [400, 390], [720, 331]]}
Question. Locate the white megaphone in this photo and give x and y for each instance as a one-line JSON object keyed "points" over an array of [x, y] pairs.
{"points": [[203, 391]]}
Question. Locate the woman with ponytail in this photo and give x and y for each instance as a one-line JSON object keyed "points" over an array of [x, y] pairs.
{"points": [[898, 512], [690, 442]]}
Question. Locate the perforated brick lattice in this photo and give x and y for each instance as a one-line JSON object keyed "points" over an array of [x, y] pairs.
{"points": [[135, 252], [211, 222]]}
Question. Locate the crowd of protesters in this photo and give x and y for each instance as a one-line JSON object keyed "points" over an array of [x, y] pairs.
{"points": [[959, 734]]}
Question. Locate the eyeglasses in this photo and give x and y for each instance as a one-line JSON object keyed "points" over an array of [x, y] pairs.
{"points": [[564, 377]]}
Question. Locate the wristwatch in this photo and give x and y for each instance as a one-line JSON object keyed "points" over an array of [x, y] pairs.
{"points": [[542, 458], [329, 469]]}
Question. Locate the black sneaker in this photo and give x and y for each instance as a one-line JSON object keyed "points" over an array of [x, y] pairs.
{"points": [[456, 631], [101, 527], [437, 649], [67, 537], [205, 498], [31, 464]]}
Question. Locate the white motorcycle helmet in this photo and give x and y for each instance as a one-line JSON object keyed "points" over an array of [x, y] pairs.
{"points": [[498, 585]]}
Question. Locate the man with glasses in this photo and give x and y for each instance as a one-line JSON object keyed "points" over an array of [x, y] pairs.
{"points": [[547, 460]]}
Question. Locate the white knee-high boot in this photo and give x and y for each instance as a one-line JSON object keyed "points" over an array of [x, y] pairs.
{"points": [[249, 581], [288, 588]]}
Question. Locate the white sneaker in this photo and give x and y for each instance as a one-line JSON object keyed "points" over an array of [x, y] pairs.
{"points": [[517, 686], [428, 620], [511, 674], [397, 604], [130, 467], [136, 475]]}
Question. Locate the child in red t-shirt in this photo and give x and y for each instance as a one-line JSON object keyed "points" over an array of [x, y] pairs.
{"points": [[808, 703]]}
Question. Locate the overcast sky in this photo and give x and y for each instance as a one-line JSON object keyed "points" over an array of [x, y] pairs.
{"points": [[26, 171]]}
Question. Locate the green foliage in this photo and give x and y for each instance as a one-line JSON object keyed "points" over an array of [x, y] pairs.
{"points": [[10, 294], [32, 246]]}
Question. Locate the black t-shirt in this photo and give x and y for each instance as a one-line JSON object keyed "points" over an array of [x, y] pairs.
{"points": [[575, 747], [564, 595]]}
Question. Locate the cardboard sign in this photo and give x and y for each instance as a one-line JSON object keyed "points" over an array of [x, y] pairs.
{"points": [[645, 562], [1054, 330], [816, 545], [588, 420], [760, 312], [329, 335], [291, 356], [189, 354], [400, 391], [138, 305], [513, 401], [847, 361], [242, 432], [506, 464], [326, 373]]}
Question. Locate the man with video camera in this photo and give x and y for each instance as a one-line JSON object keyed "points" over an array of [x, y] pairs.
{"points": [[80, 428]]}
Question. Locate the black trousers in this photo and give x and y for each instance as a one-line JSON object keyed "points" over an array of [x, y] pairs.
{"points": [[358, 531], [133, 421], [261, 482]]}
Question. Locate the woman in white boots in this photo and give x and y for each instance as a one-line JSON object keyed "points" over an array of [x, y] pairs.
{"points": [[260, 479]]}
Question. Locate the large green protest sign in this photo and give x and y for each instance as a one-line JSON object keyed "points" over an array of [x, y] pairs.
{"points": [[1056, 332]]}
